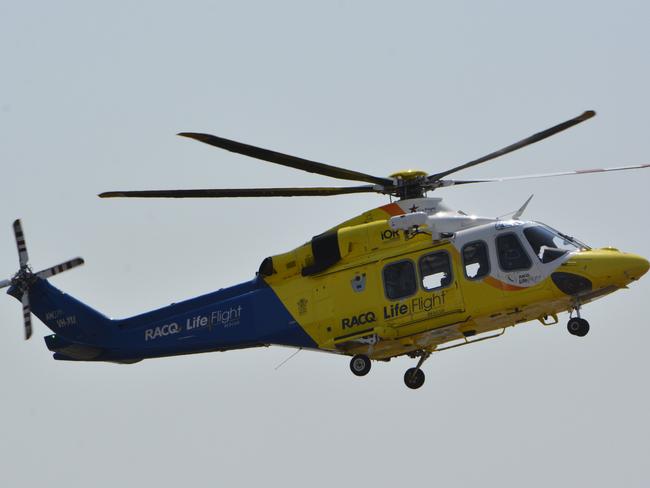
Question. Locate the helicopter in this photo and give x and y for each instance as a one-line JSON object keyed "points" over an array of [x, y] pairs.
{"points": [[408, 278]]}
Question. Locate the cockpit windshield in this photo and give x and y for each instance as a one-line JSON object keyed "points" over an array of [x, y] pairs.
{"points": [[549, 244]]}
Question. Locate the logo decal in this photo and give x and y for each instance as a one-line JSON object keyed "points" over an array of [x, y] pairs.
{"points": [[358, 282], [416, 305], [161, 331], [225, 318], [389, 234], [361, 319]]}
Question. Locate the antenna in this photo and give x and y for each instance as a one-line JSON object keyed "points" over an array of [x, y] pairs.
{"points": [[516, 214], [288, 359]]}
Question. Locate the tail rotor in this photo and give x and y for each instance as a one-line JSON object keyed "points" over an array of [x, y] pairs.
{"points": [[24, 278]]}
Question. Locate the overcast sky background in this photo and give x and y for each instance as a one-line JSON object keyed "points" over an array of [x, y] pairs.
{"points": [[91, 97]]}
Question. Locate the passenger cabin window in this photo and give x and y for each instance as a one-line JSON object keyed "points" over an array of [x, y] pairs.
{"points": [[512, 256], [399, 280], [475, 260], [435, 270], [547, 245]]}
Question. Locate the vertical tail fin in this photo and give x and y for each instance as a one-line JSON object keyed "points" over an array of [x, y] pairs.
{"points": [[63, 314], [68, 317]]}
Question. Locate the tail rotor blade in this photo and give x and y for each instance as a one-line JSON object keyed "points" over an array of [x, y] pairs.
{"points": [[20, 242], [27, 315], [60, 268]]}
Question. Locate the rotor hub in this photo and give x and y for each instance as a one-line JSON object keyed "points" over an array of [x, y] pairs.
{"points": [[23, 278], [409, 174], [410, 183]]}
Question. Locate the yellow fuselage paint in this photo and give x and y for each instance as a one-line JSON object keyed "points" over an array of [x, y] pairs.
{"points": [[344, 307]]}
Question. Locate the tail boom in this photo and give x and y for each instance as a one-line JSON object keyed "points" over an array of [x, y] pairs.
{"points": [[242, 316]]}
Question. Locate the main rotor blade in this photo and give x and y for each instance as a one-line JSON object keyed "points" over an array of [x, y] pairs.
{"points": [[60, 268], [285, 159], [5, 283], [23, 258], [545, 175], [242, 192], [27, 315], [517, 145]]}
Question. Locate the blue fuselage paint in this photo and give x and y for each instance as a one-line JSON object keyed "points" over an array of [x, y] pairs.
{"points": [[246, 315]]}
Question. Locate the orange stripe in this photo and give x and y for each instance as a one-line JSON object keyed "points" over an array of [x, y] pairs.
{"points": [[392, 209], [501, 285]]}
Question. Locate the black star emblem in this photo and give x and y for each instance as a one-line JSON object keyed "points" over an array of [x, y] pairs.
{"points": [[413, 209]]}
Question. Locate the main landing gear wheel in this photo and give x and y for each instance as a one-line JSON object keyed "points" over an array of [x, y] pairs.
{"points": [[578, 327], [360, 365], [414, 378]]}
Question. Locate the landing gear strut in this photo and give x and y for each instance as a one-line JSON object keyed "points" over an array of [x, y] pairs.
{"points": [[577, 326], [360, 365], [414, 377]]}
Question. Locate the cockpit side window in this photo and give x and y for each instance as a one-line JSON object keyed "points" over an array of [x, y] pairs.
{"points": [[435, 270], [512, 256], [476, 262], [399, 280], [547, 245]]}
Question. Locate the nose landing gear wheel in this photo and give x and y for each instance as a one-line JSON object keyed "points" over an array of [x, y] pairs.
{"points": [[578, 327], [414, 378], [360, 365]]}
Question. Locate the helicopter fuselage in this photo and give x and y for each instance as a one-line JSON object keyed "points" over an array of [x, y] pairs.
{"points": [[396, 292], [364, 287]]}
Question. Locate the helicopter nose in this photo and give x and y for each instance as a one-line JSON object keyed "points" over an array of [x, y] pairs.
{"points": [[637, 266], [626, 267], [609, 266]]}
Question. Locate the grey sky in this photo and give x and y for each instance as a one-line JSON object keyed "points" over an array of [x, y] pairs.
{"points": [[91, 95]]}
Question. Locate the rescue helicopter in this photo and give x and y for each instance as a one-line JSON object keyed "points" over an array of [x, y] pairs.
{"points": [[411, 277]]}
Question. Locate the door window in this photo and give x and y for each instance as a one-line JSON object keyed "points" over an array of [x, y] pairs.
{"points": [[512, 256], [435, 270], [399, 280], [476, 262]]}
